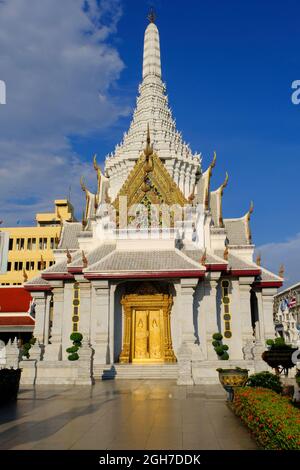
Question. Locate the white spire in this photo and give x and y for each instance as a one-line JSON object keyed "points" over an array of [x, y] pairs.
{"points": [[152, 109], [151, 61]]}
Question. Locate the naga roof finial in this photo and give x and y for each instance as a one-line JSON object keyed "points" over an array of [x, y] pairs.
{"points": [[224, 184], [281, 271], [203, 258], [151, 15], [226, 253], [213, 163], [69, 256], [96, 166], [84, 259], [82, 184], [25, 275]]}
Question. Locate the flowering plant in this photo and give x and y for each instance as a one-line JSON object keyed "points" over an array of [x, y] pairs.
{"points": [[272, 419]]}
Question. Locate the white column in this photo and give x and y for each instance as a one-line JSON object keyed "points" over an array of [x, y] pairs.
{"points": [[40, 300], [47, 319], [53, 351], [85, 308], [100, 310], [187, 303], [267, 312], [210, 311], [245, 313], [112, 321]]}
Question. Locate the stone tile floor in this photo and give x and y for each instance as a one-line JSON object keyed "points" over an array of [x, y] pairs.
{"points": [[123, 414]]}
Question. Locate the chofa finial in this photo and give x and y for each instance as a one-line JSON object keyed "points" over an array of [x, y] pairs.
{"points": [[151, 15], [281, 271]]}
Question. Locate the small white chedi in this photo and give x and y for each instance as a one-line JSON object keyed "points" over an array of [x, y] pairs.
{"points": [[153, 270]]}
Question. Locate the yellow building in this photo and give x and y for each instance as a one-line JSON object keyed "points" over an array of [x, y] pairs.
{"points": [[30, 249]]}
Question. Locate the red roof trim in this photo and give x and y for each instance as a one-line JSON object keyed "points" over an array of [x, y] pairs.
{"points": [[75, 269], [145, 275], [59, 276], [22, 320], [216, 267], [36, 288], [245, 272], [268, 284]]}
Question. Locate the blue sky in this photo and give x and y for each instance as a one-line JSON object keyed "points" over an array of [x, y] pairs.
{"points": [[228, 66]]}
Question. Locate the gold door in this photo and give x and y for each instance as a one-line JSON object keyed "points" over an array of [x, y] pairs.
{"points": [[147, 336], [147, 332]]}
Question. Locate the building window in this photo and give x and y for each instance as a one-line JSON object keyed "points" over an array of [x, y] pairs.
{"points": [[11, 244], [52, 243], [51, 263], [33, 244], [9, 266], [18, 265], [20, 244], [29, 265], [43, 243]]}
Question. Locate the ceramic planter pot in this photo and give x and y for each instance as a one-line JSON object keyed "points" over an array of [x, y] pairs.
{"points": [[231, 379], [9, 384], [277, 358]]}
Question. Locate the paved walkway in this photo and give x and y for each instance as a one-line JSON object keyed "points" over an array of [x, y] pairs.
{"points": [[125, 414]]}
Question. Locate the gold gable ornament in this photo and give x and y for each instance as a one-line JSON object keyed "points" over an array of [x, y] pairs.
{"points": [[149, 182]]}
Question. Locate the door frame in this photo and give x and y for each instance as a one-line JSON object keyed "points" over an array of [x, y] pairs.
{"points": [[146, 302]]}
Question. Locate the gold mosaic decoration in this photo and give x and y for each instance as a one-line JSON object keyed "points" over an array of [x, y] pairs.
{"points": [[76, 307], [226, 309]]}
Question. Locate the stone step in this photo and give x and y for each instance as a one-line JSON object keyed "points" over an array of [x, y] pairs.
{"points": [[141, 371]]}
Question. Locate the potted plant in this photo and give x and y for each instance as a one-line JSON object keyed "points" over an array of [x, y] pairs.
{"points": [[9, 384], [231, 379], [279, 356], [297, 377]]}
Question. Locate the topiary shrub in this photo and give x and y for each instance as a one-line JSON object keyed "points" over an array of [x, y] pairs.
{"points": [[76, 337], [225, 356], [73, 357], [220, 348], [26, 347], [73, 350], [265, 380], [217, 336]]}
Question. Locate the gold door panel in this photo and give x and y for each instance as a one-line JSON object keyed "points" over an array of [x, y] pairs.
{"points": [[140, 334], [156, 335]]}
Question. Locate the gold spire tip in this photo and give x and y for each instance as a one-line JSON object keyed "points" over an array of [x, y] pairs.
{"points": [[151, 15]]}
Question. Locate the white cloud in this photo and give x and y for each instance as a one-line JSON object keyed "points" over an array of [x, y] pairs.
{"points": [[58, 66], [286, 253]]}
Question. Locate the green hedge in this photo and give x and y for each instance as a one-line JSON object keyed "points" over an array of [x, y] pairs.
{"points": [[272, 419]]}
